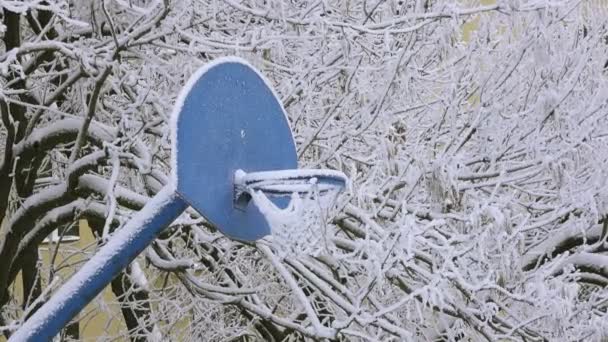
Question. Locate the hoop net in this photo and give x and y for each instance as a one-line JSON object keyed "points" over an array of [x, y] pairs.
{"points": [[301, 227]]}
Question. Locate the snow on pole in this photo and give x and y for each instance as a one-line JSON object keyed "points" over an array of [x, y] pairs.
{"points": [[123, 246]]}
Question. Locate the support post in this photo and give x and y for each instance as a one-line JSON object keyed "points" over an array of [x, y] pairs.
{"points": [[120, 250]]}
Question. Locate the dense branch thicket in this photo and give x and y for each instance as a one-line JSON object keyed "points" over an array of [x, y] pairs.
{"points": [[475, 136]]}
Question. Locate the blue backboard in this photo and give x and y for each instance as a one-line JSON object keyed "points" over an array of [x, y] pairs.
{"points": [[228, 118]]}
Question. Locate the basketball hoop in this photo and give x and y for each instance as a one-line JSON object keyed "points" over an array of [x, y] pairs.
{"points": [[295, 203], [224, 121]]}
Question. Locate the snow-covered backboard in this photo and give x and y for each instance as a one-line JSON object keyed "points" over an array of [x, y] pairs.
{"points": [[228, 118]]}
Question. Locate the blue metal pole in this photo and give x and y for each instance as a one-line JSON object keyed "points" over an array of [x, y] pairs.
{"points": [[122, 247]]}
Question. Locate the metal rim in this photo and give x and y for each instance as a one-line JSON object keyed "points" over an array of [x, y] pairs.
{"points": [[287, 182]]}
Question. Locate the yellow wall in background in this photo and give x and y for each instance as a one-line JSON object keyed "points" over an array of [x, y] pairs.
{"points": [[472, 23]]}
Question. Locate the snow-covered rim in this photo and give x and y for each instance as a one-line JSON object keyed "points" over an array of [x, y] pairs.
{"points": [[284, 182], [183, 94]]}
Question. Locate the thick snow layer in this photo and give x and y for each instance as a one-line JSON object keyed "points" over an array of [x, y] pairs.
{"points": [[55, 130], [181, 98], [290, 174], [290, 181]]}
